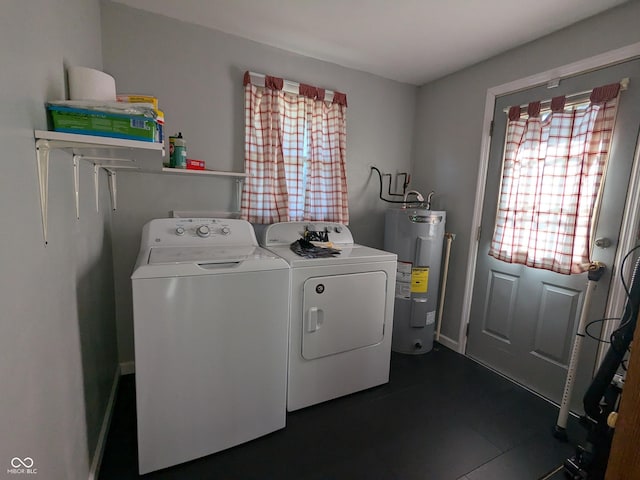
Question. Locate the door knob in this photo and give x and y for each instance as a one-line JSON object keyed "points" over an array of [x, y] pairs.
{"points": [[603, 242]]}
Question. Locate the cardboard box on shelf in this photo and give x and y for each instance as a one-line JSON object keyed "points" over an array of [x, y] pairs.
{"points": [[195, 164], [103, 124]]}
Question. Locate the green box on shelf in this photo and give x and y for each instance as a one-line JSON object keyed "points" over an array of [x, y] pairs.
{"points": [[102, 124]]}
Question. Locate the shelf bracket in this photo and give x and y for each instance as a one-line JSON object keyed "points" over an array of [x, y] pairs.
{"points": [[76, 184], [96, 185], [112, 188], [239, 186], [96, 177], [45, 141], [111, 171], [42, 152]]}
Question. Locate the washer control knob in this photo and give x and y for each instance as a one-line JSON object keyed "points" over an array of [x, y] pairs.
{"points": [[180, 231], [203, 231], [225, 230], [338, 229]]}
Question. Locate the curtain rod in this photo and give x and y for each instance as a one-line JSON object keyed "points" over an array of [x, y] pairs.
{"points": [[573, 99], [289, 85]]}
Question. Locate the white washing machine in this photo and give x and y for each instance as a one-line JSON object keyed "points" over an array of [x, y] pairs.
{"points": [[341, 314], [210, 322]]}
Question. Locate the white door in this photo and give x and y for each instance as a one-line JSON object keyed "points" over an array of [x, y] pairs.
{"points": [[523, 320]]}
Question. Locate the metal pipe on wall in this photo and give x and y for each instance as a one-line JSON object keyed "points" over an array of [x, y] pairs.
{"points": [[450, 237]]}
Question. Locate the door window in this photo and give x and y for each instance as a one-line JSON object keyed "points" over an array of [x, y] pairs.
{"points": [[553, 168]]}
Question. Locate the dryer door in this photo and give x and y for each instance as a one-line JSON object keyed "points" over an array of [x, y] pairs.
{"points": [[342, 312]]}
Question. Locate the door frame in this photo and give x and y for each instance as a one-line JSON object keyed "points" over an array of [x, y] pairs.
{"points": [[631, 216]]}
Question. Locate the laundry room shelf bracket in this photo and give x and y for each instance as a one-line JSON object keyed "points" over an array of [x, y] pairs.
{"points": [[42, 152], [82, 147], [109, 167]]}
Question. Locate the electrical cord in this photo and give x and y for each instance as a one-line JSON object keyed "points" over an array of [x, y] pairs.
{"points": [[611, 340], [632, 305], [386, 199], [634, 312], [405, 184], [600, 320]]}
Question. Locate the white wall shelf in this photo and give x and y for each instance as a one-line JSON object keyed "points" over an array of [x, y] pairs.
{"points": [[77, 141], [108, 153], [218, 173]]}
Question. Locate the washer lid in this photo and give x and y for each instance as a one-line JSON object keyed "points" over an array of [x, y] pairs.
{"points": [[163, 262], [203, 254]]}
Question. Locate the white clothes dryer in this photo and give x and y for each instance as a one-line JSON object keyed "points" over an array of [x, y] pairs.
{"points": [[341, 316], [210, 321]]}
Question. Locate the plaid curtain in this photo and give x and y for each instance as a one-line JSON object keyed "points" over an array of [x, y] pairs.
{"points": [[295, 148], [552, 172]]}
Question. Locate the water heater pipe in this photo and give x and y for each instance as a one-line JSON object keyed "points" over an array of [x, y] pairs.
{"points": [[418, 195], [447, 252]]}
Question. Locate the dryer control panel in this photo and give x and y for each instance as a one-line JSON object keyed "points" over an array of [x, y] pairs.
{"points": [[288, 232], [198, 231]]}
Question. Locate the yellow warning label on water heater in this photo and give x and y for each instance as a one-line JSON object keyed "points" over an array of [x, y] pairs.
{"points": [[419, 279]]}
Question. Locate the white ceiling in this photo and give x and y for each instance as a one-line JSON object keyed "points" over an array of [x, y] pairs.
{"points": [[412, 41]]}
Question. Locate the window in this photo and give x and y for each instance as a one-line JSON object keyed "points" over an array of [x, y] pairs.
{"points": [[295, 146], [552, 172]]}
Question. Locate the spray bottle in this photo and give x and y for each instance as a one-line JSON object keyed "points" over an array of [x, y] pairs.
{"points": [[177, 151]]}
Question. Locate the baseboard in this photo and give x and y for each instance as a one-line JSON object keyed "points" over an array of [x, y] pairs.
{"points": [[447, 342], [104, 430], [127, 368]]}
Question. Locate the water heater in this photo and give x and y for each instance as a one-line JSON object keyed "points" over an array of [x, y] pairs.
{"points": [[416, 235]]}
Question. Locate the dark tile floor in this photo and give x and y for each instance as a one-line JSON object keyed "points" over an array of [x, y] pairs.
{"points": [[441, 417]]}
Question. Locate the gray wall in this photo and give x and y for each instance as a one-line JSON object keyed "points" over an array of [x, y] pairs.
{"points": [[448, 130], [58, 351], [58, 342], [197, 75]]}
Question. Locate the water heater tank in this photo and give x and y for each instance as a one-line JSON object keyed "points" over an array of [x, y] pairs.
{"points": [[416, 235]]}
